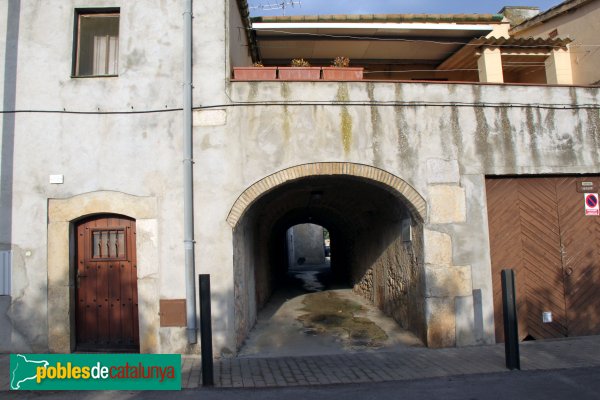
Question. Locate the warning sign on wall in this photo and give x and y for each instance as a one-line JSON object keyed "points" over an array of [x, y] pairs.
{"points": [[591, 204]]}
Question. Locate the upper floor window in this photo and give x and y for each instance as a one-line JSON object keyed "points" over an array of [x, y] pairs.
{"points": [[97, 42]]}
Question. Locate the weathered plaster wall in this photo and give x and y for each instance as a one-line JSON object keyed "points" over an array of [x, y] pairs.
{"points": [[239, 54], [136, 154], [577, 24], [468, 127], [443, 146]]}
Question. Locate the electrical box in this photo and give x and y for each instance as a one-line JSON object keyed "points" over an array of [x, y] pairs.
{"points": [[172, 313]]}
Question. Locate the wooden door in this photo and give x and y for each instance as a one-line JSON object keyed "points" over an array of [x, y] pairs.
{"points": [[538, 227], [106, 285], [525, 237], [581, 258]]}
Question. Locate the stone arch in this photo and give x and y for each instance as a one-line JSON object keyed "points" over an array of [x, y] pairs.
{"points": [[62, 213], [413, 200], [375, 218]]}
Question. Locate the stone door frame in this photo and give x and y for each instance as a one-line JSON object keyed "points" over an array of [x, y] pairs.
{"points": [[62, 214]]}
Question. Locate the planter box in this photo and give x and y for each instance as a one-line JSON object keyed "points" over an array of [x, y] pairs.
{"points": [[342, 74], [299, 73], [255, 73]]}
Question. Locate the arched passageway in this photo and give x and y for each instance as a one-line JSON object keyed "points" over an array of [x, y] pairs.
{"points": [[376, 240]]}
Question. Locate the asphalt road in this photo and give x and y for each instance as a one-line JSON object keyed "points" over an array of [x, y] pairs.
{"points": [[571, 384]]}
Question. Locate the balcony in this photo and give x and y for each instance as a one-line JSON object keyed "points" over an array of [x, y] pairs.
{"points": [[442, 48]]}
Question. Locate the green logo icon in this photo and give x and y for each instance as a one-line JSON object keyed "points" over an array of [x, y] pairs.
{"points": [[95, 372]]}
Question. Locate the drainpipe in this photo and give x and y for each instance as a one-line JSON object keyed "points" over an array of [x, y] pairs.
{"points": [[188, 179]]}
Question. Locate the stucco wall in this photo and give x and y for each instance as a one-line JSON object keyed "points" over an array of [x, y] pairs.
{"points": [[579, 25], [136, 154], [239, 54], [409, 130], [444, 147]]}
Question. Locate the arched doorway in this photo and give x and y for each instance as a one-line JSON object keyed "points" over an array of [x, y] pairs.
{"points": [[375, 222], [106, 293]]}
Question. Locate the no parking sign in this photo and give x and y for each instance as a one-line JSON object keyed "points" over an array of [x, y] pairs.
{"points": [[591, 204]]}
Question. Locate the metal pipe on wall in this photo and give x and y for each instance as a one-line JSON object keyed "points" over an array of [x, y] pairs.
{"points": [[188, 179]]}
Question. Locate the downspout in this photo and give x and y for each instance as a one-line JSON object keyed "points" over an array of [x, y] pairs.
{"points": [[188, 178]]}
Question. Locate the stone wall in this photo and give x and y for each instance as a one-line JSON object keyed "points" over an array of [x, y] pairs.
{"points": [[393, 278]]}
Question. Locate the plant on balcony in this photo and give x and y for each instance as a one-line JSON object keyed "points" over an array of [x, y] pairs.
{"points": [[299, 62], [341, 62], [257, 72], [341, 71], [300, 70]]}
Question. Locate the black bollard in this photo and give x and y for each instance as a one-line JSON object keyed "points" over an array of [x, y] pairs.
{"points": [[206, 331], [511, 328]]}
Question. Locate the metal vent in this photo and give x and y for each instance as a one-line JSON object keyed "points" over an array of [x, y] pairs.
{"points": [[5, 272]]}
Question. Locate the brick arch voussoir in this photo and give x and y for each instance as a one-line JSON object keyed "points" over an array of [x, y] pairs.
{"points": [[414, 201]]}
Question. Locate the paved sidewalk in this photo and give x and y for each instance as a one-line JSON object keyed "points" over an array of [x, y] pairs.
{"points": [[380, 366], [414, 363]]}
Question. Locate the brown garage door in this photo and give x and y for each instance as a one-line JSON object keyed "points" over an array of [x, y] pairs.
{"points": [[538, 227]]}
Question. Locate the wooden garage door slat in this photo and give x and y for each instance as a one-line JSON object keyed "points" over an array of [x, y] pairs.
{"points": [[502, 197], [533, 251]]}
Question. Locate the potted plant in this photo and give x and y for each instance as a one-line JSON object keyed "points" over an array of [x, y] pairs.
{"points": [[257, 72], [300, 70], [341, 71]]}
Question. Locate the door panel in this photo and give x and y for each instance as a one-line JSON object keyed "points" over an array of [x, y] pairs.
{"points": [[581, 244], [106, 278], [539, 228], [505, 233]]}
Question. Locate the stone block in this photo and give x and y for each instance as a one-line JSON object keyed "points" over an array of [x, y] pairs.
{"points": [[441, 322], [447, 281], [146, 247], [66, 210], [149, 318], [173, 340], [210, 117], [58, 255], [59, 324], [437, 247], [447, 204], [442, 171], [465, 324]]}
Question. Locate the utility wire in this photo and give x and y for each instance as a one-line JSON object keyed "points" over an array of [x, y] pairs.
{"points": [[381, 39], [321, 103]]}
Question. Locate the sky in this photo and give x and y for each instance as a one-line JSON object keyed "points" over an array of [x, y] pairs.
{"points": [[315, 7]]}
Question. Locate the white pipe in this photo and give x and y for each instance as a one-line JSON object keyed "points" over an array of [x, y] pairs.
{"points": [[188, 179]]}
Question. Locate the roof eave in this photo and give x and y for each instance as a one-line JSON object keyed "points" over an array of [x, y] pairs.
{"points": [[553, 12]]}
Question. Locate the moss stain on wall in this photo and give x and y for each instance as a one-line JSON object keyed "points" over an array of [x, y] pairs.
{"points": [[287, 130], [593, 122], [375, 126], [345, 118]]}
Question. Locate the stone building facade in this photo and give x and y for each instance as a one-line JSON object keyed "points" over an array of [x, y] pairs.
{"points": [[401, 167]]}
